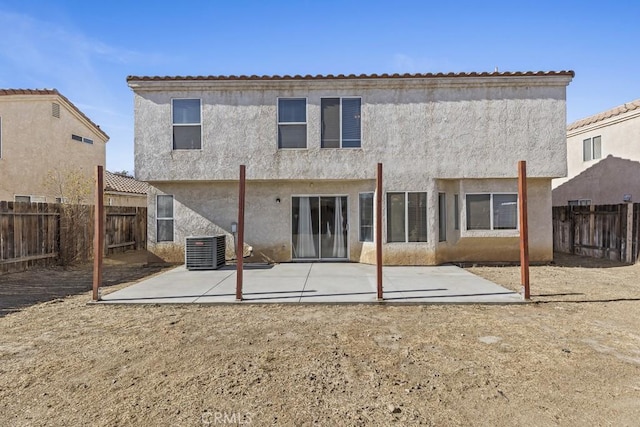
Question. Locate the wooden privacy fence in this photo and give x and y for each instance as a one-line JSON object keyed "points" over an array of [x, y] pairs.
{"points": [[28, 233], [598, 231], [125, 228], [46, 233]]}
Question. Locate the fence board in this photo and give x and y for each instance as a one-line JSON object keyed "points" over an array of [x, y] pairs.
{"points": [[25, 235], [596, 231], [41, 233]]}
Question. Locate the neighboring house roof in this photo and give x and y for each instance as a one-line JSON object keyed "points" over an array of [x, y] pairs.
{"points": [[604, 182], [123, 184], [629, 106], [8, 92], [353, 76]]}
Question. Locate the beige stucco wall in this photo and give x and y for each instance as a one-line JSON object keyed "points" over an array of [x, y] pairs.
{"points": [[34, 143], [620, 138], [604, 183], [448, 134], [207, 208], [419, 128]]}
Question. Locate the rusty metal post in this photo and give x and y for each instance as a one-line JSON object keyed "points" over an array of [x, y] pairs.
{"points": [[379, 230], [98, 232], [524, 230], [240, 243]]}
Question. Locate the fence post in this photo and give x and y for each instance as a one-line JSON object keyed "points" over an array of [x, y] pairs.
{"points": [[98, 234], [629, 245], [240, 244], [379, 231], [524, 230]]}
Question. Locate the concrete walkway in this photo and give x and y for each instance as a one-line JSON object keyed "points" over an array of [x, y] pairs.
{"points": [[316, 283]]}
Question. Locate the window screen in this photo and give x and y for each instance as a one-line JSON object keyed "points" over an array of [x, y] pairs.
{"points": [[187, 128]]}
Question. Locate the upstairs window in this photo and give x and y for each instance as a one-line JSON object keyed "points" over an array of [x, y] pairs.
{"points": [[592, 148], [341, 124], [81, 139], [292, 123], [492, 211], [187, 125]]}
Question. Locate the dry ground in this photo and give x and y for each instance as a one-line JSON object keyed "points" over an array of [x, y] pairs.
{"points": [[570, 358]]}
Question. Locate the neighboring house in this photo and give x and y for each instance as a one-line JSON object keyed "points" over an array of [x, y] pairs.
{"points": [[449, 144], [123, 190], [608, 182], [612, 138], [43, 133]]}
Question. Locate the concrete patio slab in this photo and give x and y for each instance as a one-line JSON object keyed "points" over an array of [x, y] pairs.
{"points": [[315, 283]]}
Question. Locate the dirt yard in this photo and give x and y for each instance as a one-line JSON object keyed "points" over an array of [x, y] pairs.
{"points": [[570, 358]]}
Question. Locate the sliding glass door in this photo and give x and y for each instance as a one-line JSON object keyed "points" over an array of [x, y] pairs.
{"points": [[319, 227]]}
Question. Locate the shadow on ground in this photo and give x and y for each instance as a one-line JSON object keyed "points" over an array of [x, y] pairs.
{"points": [[569, 260], [23, 289]]}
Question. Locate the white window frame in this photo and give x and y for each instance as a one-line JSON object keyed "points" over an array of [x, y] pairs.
{"points": [[579, 202], [591, 144], [15, 196], [173, 218], [491, 225], [406, 215], [185, 125], [305, 123], [340, 116], [373, 209]]}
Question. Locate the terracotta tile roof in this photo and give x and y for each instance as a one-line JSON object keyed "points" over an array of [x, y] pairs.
{"points": [[629, 106], [123, 184], [6, 92], [353, 76]]}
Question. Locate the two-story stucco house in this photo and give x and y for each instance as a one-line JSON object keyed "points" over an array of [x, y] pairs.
{"points": [[43, 133], [449, 144], [603, 159]]}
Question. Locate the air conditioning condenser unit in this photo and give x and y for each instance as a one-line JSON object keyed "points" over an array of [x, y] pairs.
{"points": [[205, 252]]}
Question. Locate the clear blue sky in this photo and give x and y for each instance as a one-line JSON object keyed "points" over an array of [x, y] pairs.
{"points": [[86, 49]]}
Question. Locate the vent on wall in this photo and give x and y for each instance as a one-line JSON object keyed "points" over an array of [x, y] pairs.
{"points": [[55, 110], [205, 252]]}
